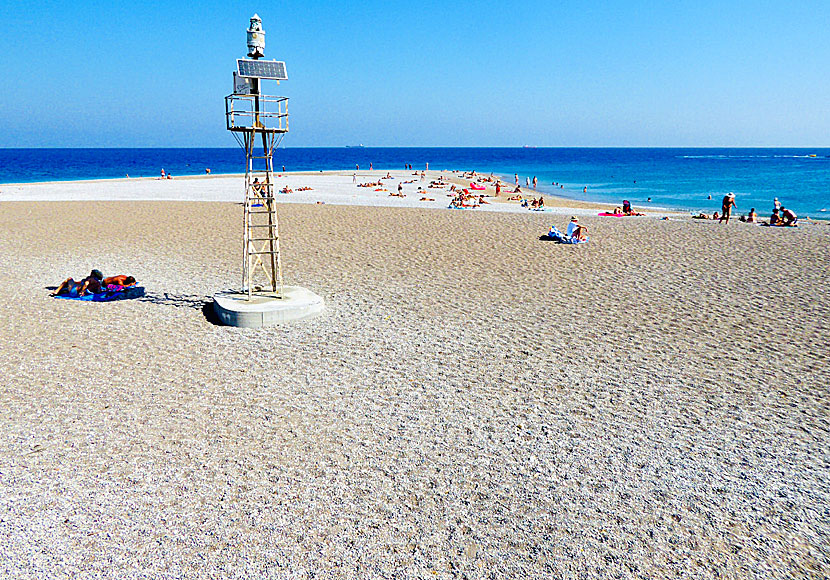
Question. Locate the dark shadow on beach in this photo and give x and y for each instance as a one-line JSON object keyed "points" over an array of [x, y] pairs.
{"points": [[203, 303]]}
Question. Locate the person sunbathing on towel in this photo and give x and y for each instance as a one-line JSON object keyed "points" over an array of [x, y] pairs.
{"points": [[118, 282], [576, 231], [91, 283]]}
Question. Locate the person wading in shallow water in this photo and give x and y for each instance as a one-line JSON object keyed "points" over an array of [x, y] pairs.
{"points": [[726, 209]]}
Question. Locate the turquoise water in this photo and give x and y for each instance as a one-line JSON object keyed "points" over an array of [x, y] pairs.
{"points": [[674, 178]]}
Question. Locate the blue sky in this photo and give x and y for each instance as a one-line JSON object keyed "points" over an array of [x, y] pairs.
{"points": [[567, 73]]}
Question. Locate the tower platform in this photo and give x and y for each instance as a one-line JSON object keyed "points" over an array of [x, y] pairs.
{"points": [[266, 308]]}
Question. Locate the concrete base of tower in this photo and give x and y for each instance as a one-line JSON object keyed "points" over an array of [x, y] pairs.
{"points": [[266, 308]]}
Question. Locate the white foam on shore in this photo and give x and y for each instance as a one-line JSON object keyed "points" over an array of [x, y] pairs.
{"points": [[327, 187]]}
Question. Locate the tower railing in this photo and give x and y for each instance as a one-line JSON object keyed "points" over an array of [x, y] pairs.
{"points": [[263, 113]]}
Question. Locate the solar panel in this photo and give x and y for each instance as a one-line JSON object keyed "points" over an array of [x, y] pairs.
{"points": [[261, 69]]}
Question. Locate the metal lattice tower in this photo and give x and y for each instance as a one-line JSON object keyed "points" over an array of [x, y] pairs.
{"points": [[258, 120]]}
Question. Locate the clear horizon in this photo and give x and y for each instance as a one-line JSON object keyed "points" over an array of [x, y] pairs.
{"points": [[597, 74], [235, 146]]}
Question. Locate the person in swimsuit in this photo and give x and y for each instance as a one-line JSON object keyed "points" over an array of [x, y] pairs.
{"points": [[91, 283], [790, 220], [120, 281], [726, 207]]}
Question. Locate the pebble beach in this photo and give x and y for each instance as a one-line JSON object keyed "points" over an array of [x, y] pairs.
{"points": [[473, 403]]}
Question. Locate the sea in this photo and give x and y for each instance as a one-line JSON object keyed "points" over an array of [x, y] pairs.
{"points": [[688, 179]]}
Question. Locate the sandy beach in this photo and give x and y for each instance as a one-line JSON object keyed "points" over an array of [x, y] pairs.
{"points": [[474, 402]]}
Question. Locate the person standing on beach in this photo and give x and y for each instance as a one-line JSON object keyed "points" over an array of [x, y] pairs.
{"points": [[534, 182], [498, 188], [516, 179], [726, 208], [776, 204]]}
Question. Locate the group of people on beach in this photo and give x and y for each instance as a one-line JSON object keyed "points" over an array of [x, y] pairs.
{"points": [[95, 283], [781, 216]]}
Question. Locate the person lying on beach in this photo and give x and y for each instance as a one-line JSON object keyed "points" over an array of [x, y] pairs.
{"points": [[515, 198], [701, 216], [576, 231], [120, 281], [790, 220], [427, 199], [91, 283], [517, 190]]}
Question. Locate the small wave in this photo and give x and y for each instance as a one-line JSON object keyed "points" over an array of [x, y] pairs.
{"points": [[751, 157]]}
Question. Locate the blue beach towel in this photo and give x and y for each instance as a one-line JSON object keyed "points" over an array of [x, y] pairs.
{"points": [[108, 295]]}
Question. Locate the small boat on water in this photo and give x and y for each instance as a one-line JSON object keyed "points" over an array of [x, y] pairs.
{"points": [[354, 146]]}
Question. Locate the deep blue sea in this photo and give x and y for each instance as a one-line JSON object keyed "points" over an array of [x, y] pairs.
{"points": [[675, 178]]}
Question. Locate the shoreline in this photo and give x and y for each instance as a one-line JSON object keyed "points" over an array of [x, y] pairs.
{"points": [[333, 186]]}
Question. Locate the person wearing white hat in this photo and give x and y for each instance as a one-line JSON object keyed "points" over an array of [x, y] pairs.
{"points": [[576, 231], [728, 204]]}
